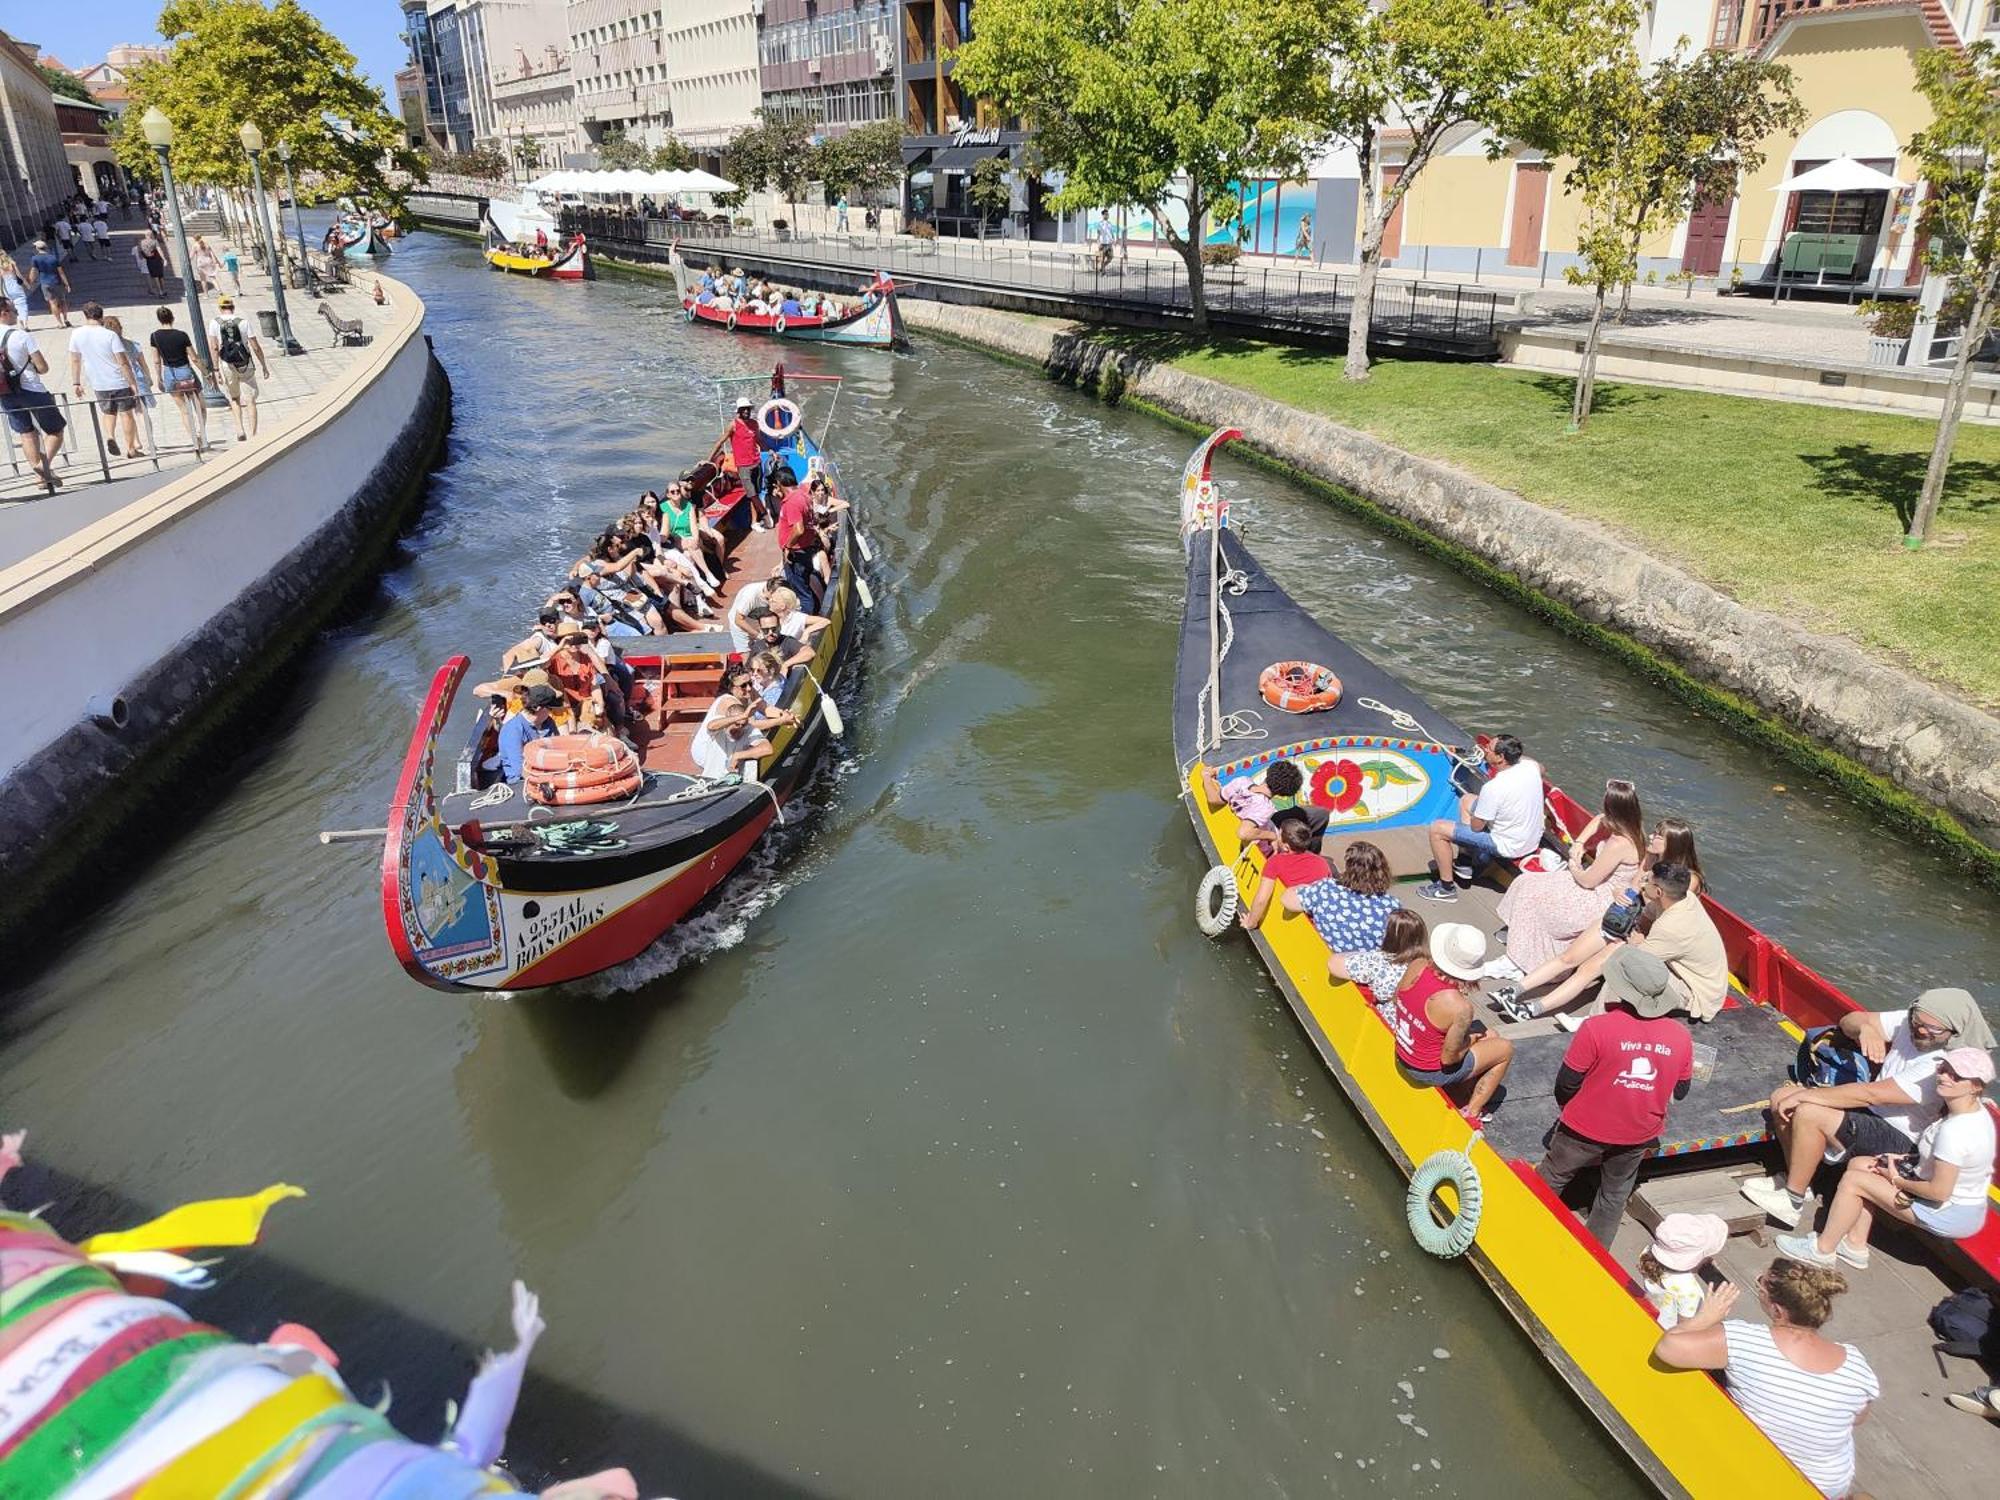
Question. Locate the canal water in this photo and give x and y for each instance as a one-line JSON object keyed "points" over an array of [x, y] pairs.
{"points": [[959, 1164]]}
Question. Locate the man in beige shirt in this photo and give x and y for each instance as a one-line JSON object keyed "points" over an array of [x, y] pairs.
{"points": [[1683, 937]]}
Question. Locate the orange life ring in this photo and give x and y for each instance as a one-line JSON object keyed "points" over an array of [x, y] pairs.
{"points": [[571, 768], [1299, 687], [564, 796]]}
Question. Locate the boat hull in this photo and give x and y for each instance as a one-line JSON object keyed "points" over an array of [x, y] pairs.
{"points": [[572, 263], [878, 326]]}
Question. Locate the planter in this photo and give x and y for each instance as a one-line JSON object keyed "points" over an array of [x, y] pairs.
{"points": [[1883, 351]]}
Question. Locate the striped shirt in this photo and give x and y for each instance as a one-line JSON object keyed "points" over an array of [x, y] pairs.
{"points": [[1810, 1417]]}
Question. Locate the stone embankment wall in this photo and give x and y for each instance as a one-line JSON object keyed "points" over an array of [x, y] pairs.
{"points": [[186, 601], [1929, 744]]}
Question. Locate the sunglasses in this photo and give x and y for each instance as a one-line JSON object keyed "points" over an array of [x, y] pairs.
{"points": [[1931, 1028]]}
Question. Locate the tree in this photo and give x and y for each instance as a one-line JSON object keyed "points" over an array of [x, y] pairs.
{"points": [[528, 153], [672, 155], [238, 61], [1960, 154], [618, 151], [1160, 103], [1648, 143], [62, 81], [773, 153], [1440, 71], [991, 193]]}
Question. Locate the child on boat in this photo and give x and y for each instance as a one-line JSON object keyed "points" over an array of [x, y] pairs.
{"points": [[1670, 1268]]}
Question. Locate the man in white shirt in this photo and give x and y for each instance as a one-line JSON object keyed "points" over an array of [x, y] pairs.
{"points": [[97, 358], [1502, 821], [31, 411]]}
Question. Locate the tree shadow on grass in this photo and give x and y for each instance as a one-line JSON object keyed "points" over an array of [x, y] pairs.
{"points": [[1855, 471], [1561, 391]]}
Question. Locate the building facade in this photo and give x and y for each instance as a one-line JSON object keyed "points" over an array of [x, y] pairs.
{"points": [[831, 63], [429, 123], [35, 176], [110, 81], [449, 35], [946, 135], [86, 139], [712, 73], [1853, 64], [618, 67]]}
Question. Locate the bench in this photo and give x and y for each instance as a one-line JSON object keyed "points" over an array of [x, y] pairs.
{"points": [[345, 330]]}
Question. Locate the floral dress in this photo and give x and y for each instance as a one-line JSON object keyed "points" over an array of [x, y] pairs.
{"points": [[1546, 911]]}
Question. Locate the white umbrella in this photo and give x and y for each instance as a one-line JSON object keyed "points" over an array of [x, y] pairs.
{"points": [[705, 182], [1841, 175]]}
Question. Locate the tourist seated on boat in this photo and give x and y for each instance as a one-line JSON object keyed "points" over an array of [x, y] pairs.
{"points": [[680, 515], [534, 721], [1377, 975], [767, 675], [771, 637], [540, 644], [706, 297], [1672, 840], [620, 626], [1673, 1269], [726, 742], [604, 646], [592, 693], [1618, 1079], [748, 604], [764, 686], [1349, 910], [1892, 1059], [826, 509], [1439, 1043], [1294, 864], [1806, 1393], [1683, 936], [1545, 911], [1255, 801], [1502, 820], [1943, 1193], [791, 307]]}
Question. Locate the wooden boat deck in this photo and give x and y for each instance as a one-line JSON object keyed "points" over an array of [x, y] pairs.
{"points": [[1913, 1443]]}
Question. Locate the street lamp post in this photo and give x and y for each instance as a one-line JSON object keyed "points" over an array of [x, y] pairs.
{"points": [[253, 143], [159, 132], [284, 150]]}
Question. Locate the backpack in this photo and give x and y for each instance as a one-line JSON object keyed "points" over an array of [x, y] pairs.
{"points": [[1966, 1324], [10, 373], [1827, 1059], [235, 348]]}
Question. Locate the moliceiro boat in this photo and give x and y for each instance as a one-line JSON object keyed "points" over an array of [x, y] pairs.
{"points": [[524, 238], [602, 846], [359, 234], [872, 319], [1260, 681]]}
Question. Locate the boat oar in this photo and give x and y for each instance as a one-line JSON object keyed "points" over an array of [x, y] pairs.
{"points": [[827, 711], [351, 835]]}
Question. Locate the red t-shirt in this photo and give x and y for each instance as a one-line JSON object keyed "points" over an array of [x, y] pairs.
{"points": [[1297, 868], [1630, 1069], [794, 515], [1419, 1040], [743, 441]]}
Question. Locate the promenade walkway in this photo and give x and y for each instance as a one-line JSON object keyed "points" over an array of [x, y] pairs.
{"points": [[96, 484]]}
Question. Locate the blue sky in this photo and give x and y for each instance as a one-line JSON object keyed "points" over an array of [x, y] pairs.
{"points": [[80, 34]]}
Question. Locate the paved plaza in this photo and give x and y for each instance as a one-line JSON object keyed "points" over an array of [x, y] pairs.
{"points": [[95, 484]]}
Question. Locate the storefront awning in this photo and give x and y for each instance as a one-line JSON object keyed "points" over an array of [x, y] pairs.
{"points": [[964, 158], [915, 157]]}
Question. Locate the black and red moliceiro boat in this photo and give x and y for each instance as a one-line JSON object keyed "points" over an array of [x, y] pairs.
{"points": [[486, 889]]}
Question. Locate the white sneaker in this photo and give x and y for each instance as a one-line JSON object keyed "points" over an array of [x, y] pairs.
{"points": [[1503, 967], [1847, 1255], [1803, 1247], [1776, 1202], [1568, 1022]]}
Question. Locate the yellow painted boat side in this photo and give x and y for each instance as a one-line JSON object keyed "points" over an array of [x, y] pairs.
{"points": [[507, 260], [1678, 1425]]}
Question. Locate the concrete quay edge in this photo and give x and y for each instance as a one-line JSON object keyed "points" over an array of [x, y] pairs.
{"points": [[1912, 751], [80, 782]]}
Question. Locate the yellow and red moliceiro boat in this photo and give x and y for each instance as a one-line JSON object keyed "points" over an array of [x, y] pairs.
{"points": [[485, 889], [1382, 763]]}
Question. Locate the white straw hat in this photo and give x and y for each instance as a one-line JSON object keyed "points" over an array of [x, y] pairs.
{"points": [[1459, 949]]}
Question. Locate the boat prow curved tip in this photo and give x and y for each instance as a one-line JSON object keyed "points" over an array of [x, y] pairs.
{"points": [[1200, 499]]}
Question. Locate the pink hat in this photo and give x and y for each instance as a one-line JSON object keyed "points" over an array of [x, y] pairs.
{"points": [[1684, 1241], [1969, 1062]]}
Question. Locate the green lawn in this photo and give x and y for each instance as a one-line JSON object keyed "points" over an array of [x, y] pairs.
{"points": [[1798, 509]]}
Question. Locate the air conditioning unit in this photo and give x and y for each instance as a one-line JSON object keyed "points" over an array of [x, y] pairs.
{"points": [[812, 66], [885, 54]]}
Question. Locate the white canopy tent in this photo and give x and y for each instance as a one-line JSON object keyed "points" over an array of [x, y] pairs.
{"points": [[628, 181], [1841, 175]]}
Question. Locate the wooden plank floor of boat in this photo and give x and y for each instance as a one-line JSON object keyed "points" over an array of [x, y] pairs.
{"points": [[1912, 1443]]}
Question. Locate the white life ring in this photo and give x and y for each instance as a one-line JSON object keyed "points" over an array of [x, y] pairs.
{"points": [[1453, 1237], [689, 311], [779, 418], [732, 322], [1216, 901], [778, 323]]}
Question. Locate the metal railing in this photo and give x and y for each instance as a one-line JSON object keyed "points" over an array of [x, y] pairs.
{"points": [[1444, 317]]}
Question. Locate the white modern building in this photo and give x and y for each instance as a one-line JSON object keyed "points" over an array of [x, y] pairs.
{"points": [[527, 95], [713, 75], [618, 66]]}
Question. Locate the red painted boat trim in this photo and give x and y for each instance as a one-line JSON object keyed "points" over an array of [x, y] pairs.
{"points": [[415, 782]]}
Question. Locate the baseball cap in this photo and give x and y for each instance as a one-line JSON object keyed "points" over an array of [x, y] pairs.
{"points": [[1683, 1241], [1641, 980], [543, 697], [1975, 1063]]}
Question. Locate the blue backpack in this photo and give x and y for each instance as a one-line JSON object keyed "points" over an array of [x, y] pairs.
{"points": [[1827, 1059]]}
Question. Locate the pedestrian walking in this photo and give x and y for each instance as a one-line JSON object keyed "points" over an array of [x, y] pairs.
{"points": [[31, 410], [840, 213], [233, 346], [65, 234], [97, 361], [47, 276], [174, 372], [142, 380], [151, 258], [14, 288], [207, 270], [233, 264]]}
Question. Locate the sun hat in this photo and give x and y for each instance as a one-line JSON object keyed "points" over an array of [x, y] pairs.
{"points": [[1969, 1062], [1641, 980], [1683, 1241], [744, 403], [1958, 1010], [1459, 949], [543, 697], [536, 677], [225, 302]]}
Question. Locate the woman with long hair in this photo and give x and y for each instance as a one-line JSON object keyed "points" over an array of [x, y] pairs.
{"points": [[1349, 910], [1405, 939], [1545, 911], [1439, 1041], [1671, 842]]}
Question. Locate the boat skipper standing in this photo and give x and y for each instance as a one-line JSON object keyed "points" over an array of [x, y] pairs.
{"points": [[746, 452]]}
